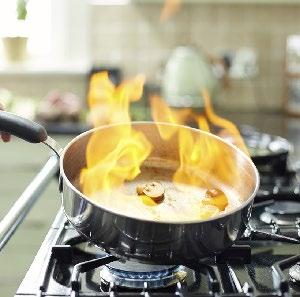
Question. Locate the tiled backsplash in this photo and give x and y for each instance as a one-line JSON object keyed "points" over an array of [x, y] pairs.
{"points": [[37, 86], [133, 37]]}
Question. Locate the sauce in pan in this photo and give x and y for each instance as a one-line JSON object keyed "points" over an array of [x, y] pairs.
{"points": [[179, 202]]}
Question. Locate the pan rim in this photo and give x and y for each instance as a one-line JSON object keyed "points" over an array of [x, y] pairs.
{"points": [[135, 123]]}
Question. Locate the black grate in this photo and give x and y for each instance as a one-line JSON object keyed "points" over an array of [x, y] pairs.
{"points": [[67, 265], [76, 270], [65, 255]]}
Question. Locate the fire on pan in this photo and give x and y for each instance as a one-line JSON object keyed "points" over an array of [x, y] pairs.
{"points": [[214, 181], [132, 180]]}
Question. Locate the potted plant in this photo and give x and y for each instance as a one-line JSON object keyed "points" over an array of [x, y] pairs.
{"points": [[15, 45]]}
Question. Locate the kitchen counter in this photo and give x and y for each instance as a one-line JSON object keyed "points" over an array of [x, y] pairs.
{"points": [[21, 161]]}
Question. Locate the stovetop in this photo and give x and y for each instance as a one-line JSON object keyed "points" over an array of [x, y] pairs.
{"points": [[67, 265], [262, 263]]}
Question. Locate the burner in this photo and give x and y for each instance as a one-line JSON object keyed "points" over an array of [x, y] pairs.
{"points": [[294, 273], [281, 212], [136, 275]]}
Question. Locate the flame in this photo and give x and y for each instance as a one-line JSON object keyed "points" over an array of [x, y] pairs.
{"points": [[161, 112], [202, 123], [201, 158], [170, 8], [115, 156], [203, 161], [109, 104], [229, 127]]}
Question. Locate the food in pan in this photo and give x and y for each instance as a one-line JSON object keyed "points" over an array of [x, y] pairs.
{"points": [[118, 173], [153, 190], [217, 198], [183, 203], [153, 196]]}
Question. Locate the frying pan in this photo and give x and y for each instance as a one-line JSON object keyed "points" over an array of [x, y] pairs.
{"points": [[142, 240], [268, 152]]}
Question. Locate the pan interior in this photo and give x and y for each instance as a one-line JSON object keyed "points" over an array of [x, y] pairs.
{"points": [[180, 201]]}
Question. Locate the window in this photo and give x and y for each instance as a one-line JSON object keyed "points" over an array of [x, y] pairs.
{"points": [[37, 26], [56, 29]]}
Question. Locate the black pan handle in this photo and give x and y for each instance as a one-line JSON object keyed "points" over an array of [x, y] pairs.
{"points": [[22, 128]]}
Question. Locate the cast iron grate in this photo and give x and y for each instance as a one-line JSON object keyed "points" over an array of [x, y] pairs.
{"points": [[73, 268], [217, 277], [69, 265]]}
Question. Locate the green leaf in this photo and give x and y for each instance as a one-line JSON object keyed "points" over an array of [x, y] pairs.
{"points": [[21, 9]]}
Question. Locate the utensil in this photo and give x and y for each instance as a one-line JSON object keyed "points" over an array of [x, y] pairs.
{"points": [[137, 239], [27, 130]]}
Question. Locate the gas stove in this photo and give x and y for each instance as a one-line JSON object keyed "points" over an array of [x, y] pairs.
{"points": [[265, 262], [68, 265], [278, 178]]}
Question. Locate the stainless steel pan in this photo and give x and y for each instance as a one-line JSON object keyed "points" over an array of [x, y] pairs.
{"points": [[137, 239]]}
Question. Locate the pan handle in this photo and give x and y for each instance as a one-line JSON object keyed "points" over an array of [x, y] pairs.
{"points": [[27, 130], [22, 128]]}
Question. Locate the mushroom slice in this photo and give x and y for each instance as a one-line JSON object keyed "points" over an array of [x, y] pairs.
{"points": [[153, 190]]}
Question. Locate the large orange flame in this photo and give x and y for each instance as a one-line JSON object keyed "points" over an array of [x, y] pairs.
{"points": [[170, 8], [109, 104], [228, 128], [162, 113], [113, 158], [202, 157], [116, 155]]}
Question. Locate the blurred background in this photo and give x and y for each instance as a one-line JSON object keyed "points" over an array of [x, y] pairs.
{"points": [[246, 53], [251, 46]]}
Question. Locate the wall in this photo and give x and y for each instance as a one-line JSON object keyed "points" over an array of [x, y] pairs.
{"points": [[37, 85], [133, 37]]}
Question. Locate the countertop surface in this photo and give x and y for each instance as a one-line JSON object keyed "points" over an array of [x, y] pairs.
{"points": [[20, 161]]}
